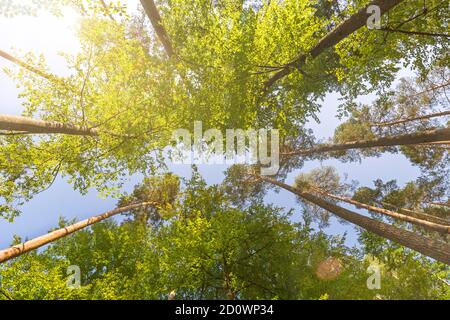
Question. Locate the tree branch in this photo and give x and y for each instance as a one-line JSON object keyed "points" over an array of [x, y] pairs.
{"points": [[417, 33], [155, 19], [17, 250], [341, 32]]}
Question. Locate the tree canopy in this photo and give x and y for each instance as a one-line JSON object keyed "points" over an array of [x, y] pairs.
{"points": [[142, 74]]}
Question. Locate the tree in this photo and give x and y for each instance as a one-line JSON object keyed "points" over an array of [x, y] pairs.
{"points": [[333, 189], [161, 190], [221, 251], [155, 18], [94, 162], [23, 125], [429, 136], [231, 64], [410, 200], [342, 31], [33, 244], [223, 53], [435, 249]]}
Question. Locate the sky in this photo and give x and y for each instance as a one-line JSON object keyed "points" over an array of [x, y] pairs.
{"points": [[48, 35]]}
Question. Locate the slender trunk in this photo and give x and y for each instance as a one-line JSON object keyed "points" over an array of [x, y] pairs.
{"points": [[152, 12], [418, 214], [423, 223], [432, 248], [353, 23], [440, 204], [25, 65], [432, 88], [35, 243], [400, 121], [50, 77], [30, 125], [429, 136], [417, 33], [438, 144]]}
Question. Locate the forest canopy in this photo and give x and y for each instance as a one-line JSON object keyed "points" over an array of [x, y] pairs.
{"points": [[145, 71]]}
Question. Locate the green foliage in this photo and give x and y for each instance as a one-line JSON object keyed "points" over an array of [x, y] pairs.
{"points": [[11, 8], [122, 83], [222, 241], [37, 276], [162, 191], [411, 276], [226, 252], [326, 179]]}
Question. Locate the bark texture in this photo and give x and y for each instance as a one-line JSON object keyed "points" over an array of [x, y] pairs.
{"points": [[155, 19], [428, 136], [432, 248], [25, 125], [35, 243], [419, 222]]}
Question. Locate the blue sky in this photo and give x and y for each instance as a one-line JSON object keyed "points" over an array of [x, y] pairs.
{"points": [[49, 35]]}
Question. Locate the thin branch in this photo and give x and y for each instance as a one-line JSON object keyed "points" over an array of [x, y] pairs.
{"points": [[342, 31], [433, 88], [107, 11], [400, 121], [29, 67], [5, 294], [417, 33]]}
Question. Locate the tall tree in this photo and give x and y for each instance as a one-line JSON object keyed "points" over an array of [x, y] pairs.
{"points": [[209, 250], [353, 23], [410, 200], [432, 248], [38, 242], [153, 14], [325, 181], [428, 136], [26, 125]]}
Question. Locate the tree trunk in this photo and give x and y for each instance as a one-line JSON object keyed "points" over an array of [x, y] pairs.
{"points": [[417, 33], [35, 243], [29, 125], [418, 214], [25, 65], [400, 121], [423, 223], [433, 88], [342, 31], [439, 204], [432, 248], [428, 136], [155, 19]]}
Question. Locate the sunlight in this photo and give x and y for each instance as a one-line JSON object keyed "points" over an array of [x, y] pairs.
{"points": [[234, 149], [44, 34]]}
